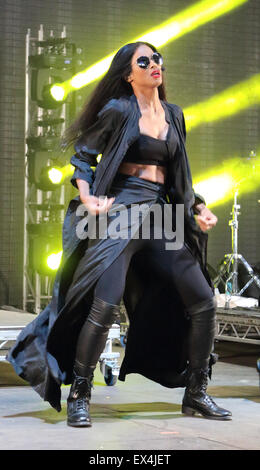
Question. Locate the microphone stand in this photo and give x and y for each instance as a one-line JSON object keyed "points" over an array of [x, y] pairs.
{"points": [[230, 263]]}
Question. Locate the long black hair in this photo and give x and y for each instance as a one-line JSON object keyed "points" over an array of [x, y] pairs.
{"points": [[112, 85]]}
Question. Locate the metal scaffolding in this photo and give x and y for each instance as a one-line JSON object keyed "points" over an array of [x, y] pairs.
{"points": [[42, 208]]}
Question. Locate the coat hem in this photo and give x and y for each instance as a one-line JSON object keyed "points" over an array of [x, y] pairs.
{"points": [[178, 380]]}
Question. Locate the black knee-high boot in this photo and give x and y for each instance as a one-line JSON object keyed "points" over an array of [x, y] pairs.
{"points": [[91, 343], [201, 340]]}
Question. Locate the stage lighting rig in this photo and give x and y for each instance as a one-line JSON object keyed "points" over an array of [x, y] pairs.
{"points": [[58, 53], [55, 64], [42, 80], [44, 172], [48, 111], [45, 249]]}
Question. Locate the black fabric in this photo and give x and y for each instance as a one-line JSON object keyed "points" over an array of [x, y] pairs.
{"points": [[44, 352], [93, 335], [178, 267], [147, 150], [201, 338]]}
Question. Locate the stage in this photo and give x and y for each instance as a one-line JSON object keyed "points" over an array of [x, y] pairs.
{"points": [[73, 84], [137, 414]]}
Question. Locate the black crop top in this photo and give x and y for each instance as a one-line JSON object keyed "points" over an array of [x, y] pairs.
{"points": [[148, 150]]}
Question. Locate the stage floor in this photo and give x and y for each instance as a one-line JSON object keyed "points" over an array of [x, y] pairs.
{"points": [[134, 415]]}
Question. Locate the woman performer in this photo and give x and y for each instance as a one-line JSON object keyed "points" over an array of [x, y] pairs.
{"points": [[166, 288]]}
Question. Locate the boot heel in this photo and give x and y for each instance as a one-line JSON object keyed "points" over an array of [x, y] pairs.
{"points": [[186, 410], [197, 400]]}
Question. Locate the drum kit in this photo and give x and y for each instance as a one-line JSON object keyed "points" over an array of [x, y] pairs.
{"points": [[228, 270]]}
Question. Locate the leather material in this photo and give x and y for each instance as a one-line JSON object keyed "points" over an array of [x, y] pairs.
{"points": [[44, 352], [208, 304], [103, 313], [201, 337], [93, 335], [78, 402], [196, 400]]}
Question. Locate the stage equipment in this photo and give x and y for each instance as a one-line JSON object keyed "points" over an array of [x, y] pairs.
{"points": [[48, 60], [45, 247], [228, 270], [188, 19]]}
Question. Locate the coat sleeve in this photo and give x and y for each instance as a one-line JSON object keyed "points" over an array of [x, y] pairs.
{"points": [[198, 198], [93, 142]]}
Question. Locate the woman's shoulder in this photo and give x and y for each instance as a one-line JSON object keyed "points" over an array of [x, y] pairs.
{"points": [[123, 105], [117, 105], [126, 103]]}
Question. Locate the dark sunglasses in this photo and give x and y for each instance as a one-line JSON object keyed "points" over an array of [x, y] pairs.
{"points": [[144, 61]]}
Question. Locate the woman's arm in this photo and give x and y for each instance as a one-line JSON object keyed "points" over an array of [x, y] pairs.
{"points": [[199, 203], [83, 187], [92, 203], [93, 142]]}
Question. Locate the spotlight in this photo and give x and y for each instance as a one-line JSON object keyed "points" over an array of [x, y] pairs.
{"points": [[44, 170], [55, 175], [58, 92], [53, 260], [45, 249], [43, 90], [49, 179]]}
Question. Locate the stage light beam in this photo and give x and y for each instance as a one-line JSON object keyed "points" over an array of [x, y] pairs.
{"points": [[231, 101], [182, 23], [218, 185]]}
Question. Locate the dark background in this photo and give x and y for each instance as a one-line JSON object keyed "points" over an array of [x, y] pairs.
{"points": [[199, 65]]}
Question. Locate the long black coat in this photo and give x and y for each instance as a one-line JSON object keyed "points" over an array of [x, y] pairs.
{"points": [[156, 345]]}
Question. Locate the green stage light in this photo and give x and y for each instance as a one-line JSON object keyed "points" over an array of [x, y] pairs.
{"points": [[182, 23], [45, 249], [58, 92], [216, 188], [53, 96], [53, 261], [191, 18], [91, 74], [218, 185], [227, 103], [50, 178], [55, 175]]}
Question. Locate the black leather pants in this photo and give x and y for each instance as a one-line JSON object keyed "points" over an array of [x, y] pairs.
{"points": [[176, 266], [202, 333], [182, 269], [93, 336]]}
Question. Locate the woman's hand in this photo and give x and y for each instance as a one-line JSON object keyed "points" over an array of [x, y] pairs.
{"points": [[97, 206], [206, 219]]}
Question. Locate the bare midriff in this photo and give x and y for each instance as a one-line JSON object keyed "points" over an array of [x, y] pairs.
{"points": [[154, 173]]}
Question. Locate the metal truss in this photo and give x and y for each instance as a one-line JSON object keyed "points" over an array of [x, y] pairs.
{"points": [[238, 325], [37, 288]]}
